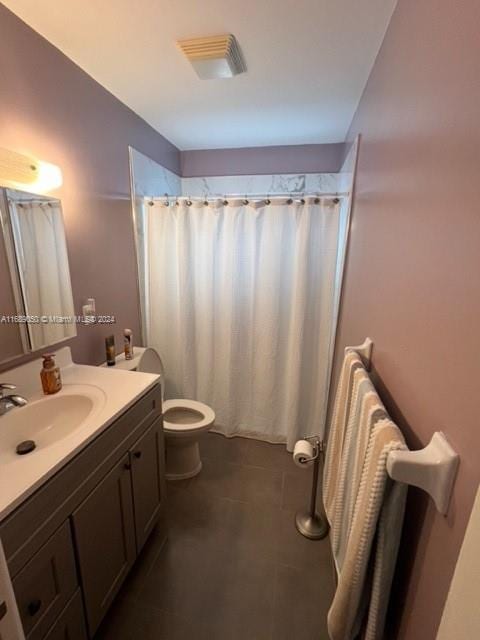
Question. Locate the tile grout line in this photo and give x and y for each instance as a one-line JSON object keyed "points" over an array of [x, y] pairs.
{"points": [[156, 556], [282, 505], [246, 465], [274, 603]]}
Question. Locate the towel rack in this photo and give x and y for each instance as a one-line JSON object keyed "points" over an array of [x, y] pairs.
{"points": [[433, 468], [364, 351]]}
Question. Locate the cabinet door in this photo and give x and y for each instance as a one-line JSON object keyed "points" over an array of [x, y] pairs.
{"points": [[46, 583], [148, 470], [105, 541], [70, 625]]}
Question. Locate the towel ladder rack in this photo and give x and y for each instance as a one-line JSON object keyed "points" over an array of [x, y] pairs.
{"points": [[433, 468]]}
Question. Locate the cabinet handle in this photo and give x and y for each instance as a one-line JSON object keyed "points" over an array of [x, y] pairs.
{"points": [[127, 466], [34, 606], [138, 454]]}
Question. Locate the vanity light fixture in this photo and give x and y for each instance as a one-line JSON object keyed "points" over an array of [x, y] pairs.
{"points": [[20, 171], [214, 57]]}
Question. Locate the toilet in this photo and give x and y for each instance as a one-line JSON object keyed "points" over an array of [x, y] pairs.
{"points": [[183, 420]]}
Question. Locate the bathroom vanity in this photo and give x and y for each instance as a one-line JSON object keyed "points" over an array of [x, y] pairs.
{"points": [[72, 539]]}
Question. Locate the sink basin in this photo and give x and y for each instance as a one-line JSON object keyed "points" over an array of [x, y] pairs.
{"points": [[48, 420]]}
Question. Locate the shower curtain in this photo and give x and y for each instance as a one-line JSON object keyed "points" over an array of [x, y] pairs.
{"points": [[240, 305]]}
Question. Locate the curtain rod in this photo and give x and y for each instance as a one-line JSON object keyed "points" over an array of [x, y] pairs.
{"points": [[293, 195], [22, 203]]}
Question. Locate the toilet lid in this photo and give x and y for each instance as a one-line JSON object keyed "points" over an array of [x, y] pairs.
{"points": [[186, 415]]}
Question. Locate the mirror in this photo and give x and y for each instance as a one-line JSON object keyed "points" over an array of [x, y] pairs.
{"points": [[35, 292]]}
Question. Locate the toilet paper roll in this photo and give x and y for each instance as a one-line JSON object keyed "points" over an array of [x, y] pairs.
{"points": [[302, 453]]}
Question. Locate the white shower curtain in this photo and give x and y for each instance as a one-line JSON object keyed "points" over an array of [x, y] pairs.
{"points": [[240, 305]]}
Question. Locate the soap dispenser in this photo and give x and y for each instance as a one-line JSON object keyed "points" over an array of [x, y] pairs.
{"points": [[50, 374]]}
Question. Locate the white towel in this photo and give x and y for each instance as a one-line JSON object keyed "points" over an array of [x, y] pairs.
{"points": [[388, 541], [346, 492], [372, 411], [366, 409], [379, 508], [338, 424]]}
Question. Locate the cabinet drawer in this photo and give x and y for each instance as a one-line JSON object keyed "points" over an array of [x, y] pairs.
{"points": [[46, 583], [71, 623]]}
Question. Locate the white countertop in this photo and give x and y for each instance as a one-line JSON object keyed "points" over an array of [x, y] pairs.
{"points": [[114, 390]]}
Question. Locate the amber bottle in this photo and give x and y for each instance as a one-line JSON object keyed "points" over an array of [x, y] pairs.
{"points": [[50, 374]]}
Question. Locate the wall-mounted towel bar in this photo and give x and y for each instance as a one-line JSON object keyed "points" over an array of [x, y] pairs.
{"points": [[433, 468], [364, 351]]}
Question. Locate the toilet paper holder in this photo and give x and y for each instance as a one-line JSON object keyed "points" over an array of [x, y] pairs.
{"points": [[309, 523], [318, 447]]}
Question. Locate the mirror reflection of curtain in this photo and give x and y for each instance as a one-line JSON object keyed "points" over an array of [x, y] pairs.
{"points": [[43, 263], [241, 302]]}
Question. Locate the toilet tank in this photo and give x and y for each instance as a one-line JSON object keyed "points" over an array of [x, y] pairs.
{"points": [[145, 360], [150, 362]]}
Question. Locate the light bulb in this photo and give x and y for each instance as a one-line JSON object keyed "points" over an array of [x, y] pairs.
{"points": [[49, 177]]}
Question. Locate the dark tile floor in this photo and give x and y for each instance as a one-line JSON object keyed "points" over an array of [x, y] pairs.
{"points": [[233, 566]]}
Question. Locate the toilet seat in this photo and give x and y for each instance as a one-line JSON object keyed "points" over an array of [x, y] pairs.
{"points": [[192, 416]]}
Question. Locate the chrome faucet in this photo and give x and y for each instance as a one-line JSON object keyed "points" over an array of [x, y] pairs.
{"points": [[8, 402]]}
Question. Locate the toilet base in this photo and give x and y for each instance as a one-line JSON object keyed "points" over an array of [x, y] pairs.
{"points": [[182, 457]]}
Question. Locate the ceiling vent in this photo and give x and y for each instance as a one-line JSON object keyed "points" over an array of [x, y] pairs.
{"points": [[214, 57]]}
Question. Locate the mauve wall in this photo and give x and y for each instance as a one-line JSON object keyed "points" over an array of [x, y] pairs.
{"points": [[412, 279], [53, 110], [305, 158]]}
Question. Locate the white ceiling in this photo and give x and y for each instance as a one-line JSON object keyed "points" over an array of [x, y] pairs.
{"points": [[308, 62]]}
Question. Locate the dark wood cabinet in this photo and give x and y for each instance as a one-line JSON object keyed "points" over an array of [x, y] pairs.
{"points": [[71, 623], [45, 585], [104, 533], [147, 459], [93, 517]]}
